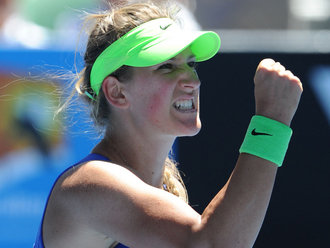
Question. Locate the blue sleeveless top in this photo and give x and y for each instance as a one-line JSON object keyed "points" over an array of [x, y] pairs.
{"points": [[39, 243]]}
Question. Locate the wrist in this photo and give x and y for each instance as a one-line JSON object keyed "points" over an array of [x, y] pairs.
{"points": [[280, 117], [267, 138]]}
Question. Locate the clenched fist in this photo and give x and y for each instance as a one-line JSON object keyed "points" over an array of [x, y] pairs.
{"points": [[277, 91]]}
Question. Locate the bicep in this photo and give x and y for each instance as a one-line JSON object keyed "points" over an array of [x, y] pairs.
{"points": [[115, 202]]}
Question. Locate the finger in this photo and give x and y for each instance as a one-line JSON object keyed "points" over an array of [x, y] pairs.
{"points": [[298, 82], [266, 63], [289, 75], [278, 67]]}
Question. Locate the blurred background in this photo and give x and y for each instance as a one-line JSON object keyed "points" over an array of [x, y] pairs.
{"points": [[43, 38]]}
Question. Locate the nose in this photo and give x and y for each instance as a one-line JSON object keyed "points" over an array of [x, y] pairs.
{"points": [[189, 80]]}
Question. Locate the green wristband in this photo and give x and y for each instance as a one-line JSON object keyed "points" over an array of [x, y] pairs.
{"points": [[267, 139]]}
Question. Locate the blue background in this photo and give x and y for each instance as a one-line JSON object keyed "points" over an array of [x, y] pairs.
{"points": [[22, 198]]}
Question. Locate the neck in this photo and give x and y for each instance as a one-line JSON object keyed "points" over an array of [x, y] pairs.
{"points": [[145, 157]]}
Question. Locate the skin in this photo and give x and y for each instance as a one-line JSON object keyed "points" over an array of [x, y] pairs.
{"points": [[123, 199], [5, 10]]}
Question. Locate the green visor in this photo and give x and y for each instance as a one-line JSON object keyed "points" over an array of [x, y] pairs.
{"points": [[150, 44]]}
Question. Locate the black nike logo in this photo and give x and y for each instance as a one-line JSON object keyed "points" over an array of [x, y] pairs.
{"points": [[254, 133], [164, 27]]}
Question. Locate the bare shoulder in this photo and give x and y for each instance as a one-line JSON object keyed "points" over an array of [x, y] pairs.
{"points": [[94, 174], [89, 182], [65, 213], [101, 200]]}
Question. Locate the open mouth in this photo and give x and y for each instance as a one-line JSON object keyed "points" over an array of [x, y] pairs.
{"points": [[185, 105]]}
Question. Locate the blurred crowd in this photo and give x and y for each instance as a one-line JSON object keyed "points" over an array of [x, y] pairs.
{"points": [[39, 24], [46, 24]]}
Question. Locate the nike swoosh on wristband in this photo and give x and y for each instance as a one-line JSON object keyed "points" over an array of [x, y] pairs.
{"points": [[254, 133]]}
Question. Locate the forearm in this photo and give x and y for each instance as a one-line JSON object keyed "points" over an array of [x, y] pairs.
{"points": [[234, 217]]}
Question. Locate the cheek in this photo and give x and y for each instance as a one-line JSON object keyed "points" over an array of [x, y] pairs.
{"points": [[159, 102]]}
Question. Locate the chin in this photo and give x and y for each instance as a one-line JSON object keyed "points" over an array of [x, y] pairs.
{"points": [[191, 130], [192, 133]]}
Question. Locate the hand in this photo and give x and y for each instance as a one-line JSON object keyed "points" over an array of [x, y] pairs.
{"points": [[277, 91]]}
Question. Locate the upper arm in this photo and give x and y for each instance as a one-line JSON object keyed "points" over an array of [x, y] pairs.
{"points": [[113, 201]]}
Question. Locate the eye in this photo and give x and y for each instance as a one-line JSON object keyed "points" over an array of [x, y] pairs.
{"points": [[167, 66], [193, 64]]}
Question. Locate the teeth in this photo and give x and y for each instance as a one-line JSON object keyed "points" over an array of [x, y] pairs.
{"points": [[184, 104]]}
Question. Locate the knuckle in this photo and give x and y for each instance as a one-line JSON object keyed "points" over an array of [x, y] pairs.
{"points": [[266, 63], [286, 74]]}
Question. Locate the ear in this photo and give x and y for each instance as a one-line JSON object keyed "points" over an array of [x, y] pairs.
{"points": [[113, 92]]}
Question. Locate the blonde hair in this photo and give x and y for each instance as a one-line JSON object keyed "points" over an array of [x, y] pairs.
{"points": [[108, 27]]}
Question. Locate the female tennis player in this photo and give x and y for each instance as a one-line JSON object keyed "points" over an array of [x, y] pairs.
{"points": [[140, 82]]}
